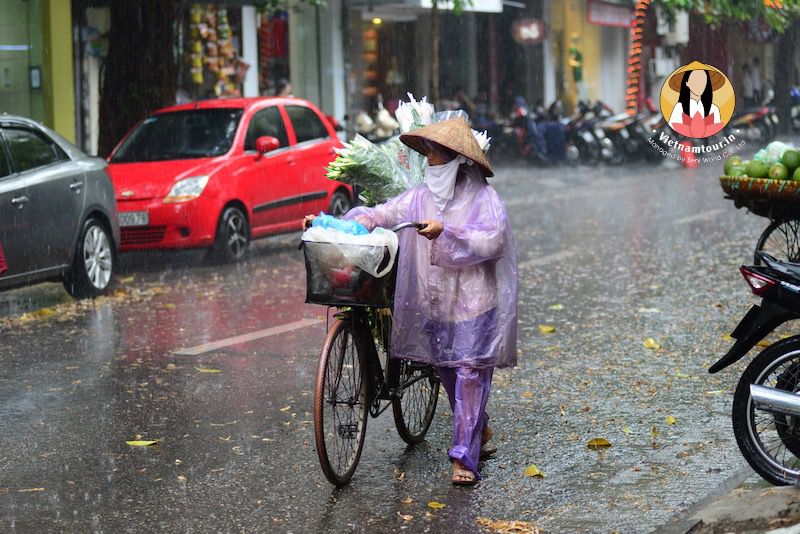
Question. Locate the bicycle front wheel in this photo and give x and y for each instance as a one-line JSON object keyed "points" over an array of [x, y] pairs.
{"points": [[340, 404], [414, 410]]}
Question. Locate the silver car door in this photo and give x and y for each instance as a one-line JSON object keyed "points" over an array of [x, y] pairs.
{"points": [[56, 192]]}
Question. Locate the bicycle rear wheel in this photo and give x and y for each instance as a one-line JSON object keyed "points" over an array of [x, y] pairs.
{"points": [[340, 404], [414, 410]]}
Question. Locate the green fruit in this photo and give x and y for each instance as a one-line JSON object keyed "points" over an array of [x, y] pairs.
{"points": [[730, 163], [791, 158], [757, 169], [779, 172], [796, 175], [738, 171]]}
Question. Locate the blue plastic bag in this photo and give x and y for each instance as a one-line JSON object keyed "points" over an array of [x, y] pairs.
{"points": [[324, 220]]}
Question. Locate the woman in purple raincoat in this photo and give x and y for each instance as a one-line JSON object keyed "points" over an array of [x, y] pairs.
{"points": [[455, 303]]}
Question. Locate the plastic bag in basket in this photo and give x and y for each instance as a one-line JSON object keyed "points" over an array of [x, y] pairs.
{"points": [[365, 251]]}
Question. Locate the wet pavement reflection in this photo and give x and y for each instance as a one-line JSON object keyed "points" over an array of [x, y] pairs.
{"points": [[607, 257]]}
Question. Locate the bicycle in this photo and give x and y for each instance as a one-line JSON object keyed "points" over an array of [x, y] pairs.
{"points": [[355, 379]]}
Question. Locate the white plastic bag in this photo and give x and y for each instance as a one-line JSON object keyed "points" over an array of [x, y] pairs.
{"points": [[365, 251]]}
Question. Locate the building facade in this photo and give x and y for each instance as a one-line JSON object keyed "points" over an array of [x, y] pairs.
{"points": [[36, 62]]}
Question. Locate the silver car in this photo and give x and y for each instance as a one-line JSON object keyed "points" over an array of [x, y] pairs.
{"points": [[58, 213]]}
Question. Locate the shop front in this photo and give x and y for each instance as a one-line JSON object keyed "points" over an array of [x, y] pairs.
{"points": [[36, 62], [222, 50], [591, 39]]}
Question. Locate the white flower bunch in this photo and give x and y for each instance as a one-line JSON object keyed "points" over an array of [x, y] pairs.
{"points": [[414, 114], [388, 169], [483, 140]]}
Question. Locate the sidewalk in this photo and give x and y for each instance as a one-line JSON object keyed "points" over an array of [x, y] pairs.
{"points": [[775, 510]]}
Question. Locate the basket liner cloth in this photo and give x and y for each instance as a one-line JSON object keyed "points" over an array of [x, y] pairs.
{"points": [[469, 270], [366, 251]]}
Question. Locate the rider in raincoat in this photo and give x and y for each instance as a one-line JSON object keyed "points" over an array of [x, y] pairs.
{"points": [[455, 304]]}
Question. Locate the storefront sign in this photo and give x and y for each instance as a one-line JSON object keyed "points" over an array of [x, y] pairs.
{"points": [[529, 31], [606, 14]]}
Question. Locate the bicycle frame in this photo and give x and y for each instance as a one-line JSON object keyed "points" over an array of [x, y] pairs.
{"points": [[382, 384]]}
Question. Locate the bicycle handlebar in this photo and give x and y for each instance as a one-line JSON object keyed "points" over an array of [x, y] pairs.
{"points": [[401, 226]]}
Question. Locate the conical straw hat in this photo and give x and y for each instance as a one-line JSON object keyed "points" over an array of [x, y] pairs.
{"points": [[454, 134], [716, 77]]}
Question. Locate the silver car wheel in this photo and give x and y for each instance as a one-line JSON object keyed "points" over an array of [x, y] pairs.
{"points": [[237, 240], [97, 257]]}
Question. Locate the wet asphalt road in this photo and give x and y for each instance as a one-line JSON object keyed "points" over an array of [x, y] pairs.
{"points": [[607, 257]]}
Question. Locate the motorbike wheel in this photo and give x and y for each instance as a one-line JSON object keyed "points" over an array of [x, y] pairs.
{"points": [[768, 442], [617, 156], [589, 154]]}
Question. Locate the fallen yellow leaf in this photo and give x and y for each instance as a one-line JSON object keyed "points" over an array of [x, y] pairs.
{"points": [[671, 420], [142, 443], [655, 431], [30, 490], [598, 443], [169, 306], [206, 370], [436, 505], [727, 337], [127, 280], [627, 430], [651, 344], [533, 471], [507, 527], [546, 329], [285, 408], [557, 307], [764, 343], [527, 394]]}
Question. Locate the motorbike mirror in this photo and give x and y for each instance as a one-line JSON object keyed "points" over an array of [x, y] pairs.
{"points": [[266, 143]]}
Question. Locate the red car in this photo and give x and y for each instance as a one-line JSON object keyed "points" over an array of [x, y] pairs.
{"points": [[219, 173]]}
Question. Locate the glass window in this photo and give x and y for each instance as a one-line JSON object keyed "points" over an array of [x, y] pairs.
{"points": [[5, 167], [197, 133], [307, 125], [266, 122], [30, 150]]}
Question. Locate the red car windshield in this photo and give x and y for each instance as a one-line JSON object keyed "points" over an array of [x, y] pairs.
{"points": [[196, 133]]}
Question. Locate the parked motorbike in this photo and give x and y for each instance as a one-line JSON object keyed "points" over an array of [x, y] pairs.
{"points": [[759, 123], [520, 136], [766, 404], [586, 142], [630, 135]]}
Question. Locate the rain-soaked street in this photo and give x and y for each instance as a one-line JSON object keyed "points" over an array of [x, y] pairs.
{"points": [[218, 362]]}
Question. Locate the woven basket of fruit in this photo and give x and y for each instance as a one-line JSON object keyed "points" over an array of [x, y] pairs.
{"points": [[745, 187], [768, 185]]}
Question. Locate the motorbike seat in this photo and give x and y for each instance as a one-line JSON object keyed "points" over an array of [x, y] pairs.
{"points": [[785, 267]]}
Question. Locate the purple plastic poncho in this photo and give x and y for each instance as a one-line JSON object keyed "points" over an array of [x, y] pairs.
{"points": [[456, 296]]}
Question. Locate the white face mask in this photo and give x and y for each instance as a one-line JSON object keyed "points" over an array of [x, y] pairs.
{"points": [[441, 180]]}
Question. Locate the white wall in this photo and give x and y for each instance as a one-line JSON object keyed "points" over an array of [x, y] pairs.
{"points": [[306, 54], [614, 62], [250, 50]]}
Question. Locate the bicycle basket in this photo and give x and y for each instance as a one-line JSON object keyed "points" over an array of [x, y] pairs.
{"points": [[333, 280]]}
